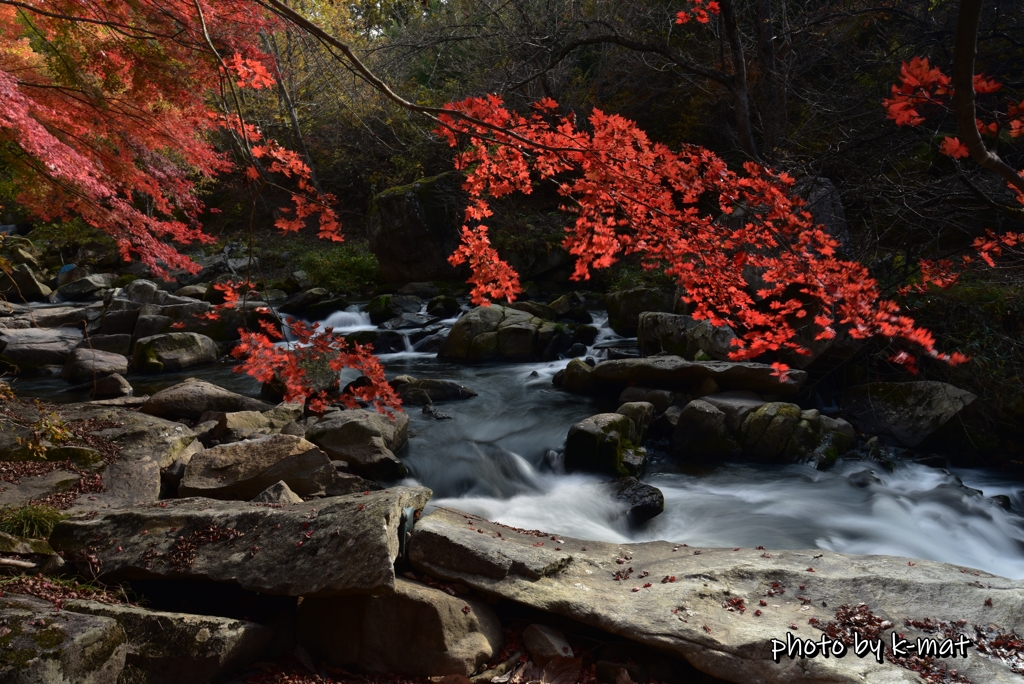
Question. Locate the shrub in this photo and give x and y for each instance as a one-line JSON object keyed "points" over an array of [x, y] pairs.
{"points": [[342, 268], [34, 522]]}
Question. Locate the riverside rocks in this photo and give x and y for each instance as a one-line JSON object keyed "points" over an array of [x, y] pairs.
{"points": [[428, 391], [366, 440], [626, 306], [417, 630], [605, 443], [240, 471], [173, 352], [676, 373], [643, 500], [31, 349], [177, 648], [907, 412], [40, 646], [687, 614], [337, 545], [491, 333], [87, 364], [192, 398]]}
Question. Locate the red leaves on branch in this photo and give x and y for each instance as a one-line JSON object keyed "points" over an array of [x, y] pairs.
{"points": [[699, 12], [739, 243]]}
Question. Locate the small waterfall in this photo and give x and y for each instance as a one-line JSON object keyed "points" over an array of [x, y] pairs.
{"points": [[349, 320]]}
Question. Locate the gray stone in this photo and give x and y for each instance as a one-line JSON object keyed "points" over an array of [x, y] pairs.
{"points": [[297, 304], [443, 306], [278, 493], [141, 291], [605, 443], [366, 440], [192, 398], [675, 373], [115, 344], [766, 433], [43, 646], [177, 648], [545, 644], [89, 287], [151, 324], [643, 501], [22, 284], [908, 412], [172, 352], [429, 391], [642, 415], [30, 349], [385, 307], [496, 333], [418, 630], [340, 545], [110, 387], [120, 322], [689, 618], [88, 364], [241, 470], [736, 405], [702, 431], [577, 377], [191, 291], [625, 307]]}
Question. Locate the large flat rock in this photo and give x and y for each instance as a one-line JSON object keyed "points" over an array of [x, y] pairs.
{"points": [[676, 373], [333, 546], [688, 616]]}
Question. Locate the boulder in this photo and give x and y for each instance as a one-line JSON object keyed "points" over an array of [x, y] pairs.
{"points": [[342, 545], [141, 291], [31, 349], [119, 322], [382, 341], [242, 470], [366, 440], [238, 425], [408, 321], [429, 391], [115, 344], [577, 377], [111, 387], [707, 614], [191, 291], [625, 307], [545, 644], [642, 415], [173, 352], [88, 364], [21, 284], [177, 648], [907, 412], [681, 335], [385, 307], [192, 398], [489, 333], [39, 645], [89, 287], [418, 630], [278, 493], [414, 229], [643, 501], [736, 405], [605, 443], [702, 430], [678, 374], [299, 303], [767, 433], [443, 306]]}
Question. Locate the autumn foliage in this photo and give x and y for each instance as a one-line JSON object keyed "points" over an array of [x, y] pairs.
{"points": [[740, 244]]}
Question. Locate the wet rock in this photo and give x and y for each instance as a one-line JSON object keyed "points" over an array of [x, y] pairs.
{"points": [[427, 391], [278, 493], [436, 414], [702, 431], [300, 303], [366, 440], [864, 478], [192, 398], [736, 405], [490, 333], [675, 373], [178, 648], [31, 349], [417, 630], [644, 501], [572, 307], [625, 307], [414, 229], [642, 415], [767, 433], [89, 287], [908, 412], [43, 646], [22, 284], [443, 306], [731, 645], [385, 307], [325, 307], [382, 341], [173, 352], [241, 470], [408, 321], [84, 365], [347, 545], [605, 443]]}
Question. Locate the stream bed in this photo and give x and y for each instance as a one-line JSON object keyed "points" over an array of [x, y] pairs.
{"points": [[491, 459]]}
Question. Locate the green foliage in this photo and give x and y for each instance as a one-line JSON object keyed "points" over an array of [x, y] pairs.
{"points": [[341, 268], [33, 522], [124, 279], [627, 274], [70, 234]]}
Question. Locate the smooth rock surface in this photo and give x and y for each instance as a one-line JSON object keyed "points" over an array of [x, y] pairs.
{"points": [[85, 365], [689, 618], [676, 373], [908, 412], [338, 545], [366, 440], [172, 352], [192, 398]]}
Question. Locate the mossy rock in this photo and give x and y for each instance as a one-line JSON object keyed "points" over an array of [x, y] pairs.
{"points": [[605, 443], [767, 433]]}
